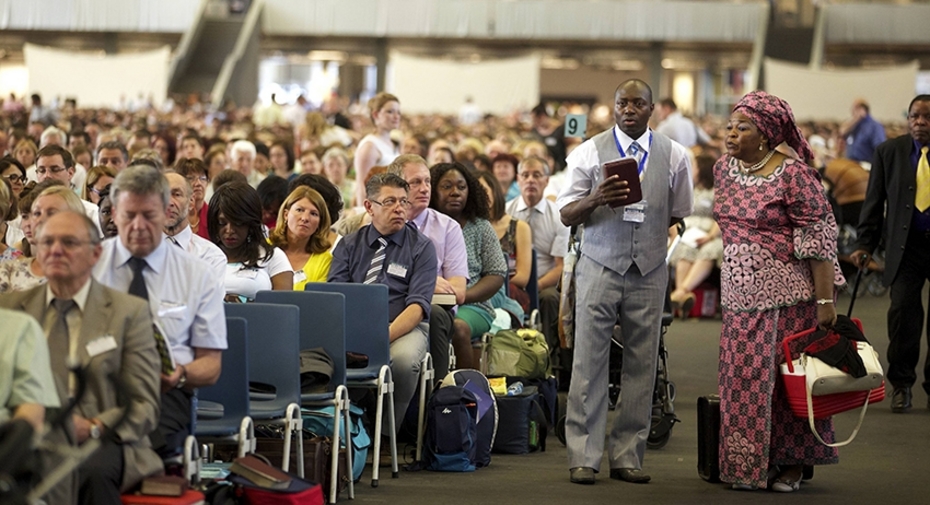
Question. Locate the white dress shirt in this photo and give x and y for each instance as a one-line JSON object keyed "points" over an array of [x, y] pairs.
{"points": [[203, 249], [550, 236], [184, 297], [586, 172]]}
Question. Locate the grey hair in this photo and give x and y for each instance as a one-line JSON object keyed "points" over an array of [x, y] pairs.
{"points": [[534, 159], [243, 146], [336, 152], [49, 132], [379, 181], [141, 180]]}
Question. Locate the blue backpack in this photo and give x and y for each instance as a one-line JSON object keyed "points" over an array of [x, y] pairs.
{"points": [[487, 424], [451, 435], [319, 421]]}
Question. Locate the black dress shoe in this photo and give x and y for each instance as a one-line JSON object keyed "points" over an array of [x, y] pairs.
{"points": [[901, 400], [630, 475], [582, 475]]}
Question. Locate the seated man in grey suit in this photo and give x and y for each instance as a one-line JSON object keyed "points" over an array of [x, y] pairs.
{"points": [[107, 332]]}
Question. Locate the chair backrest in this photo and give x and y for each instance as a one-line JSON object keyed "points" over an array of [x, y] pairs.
{"points": [[274, 350], [232, 388], [532, 286], [367, 320], [322, 324]]}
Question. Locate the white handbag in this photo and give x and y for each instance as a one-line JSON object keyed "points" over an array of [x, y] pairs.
{"points": [[823, 379]]}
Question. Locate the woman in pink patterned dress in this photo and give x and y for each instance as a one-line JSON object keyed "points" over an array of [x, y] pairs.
{"points": [[778, 277]]}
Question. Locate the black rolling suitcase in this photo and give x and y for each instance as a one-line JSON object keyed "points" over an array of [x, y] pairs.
{"points": [[708, 426]]}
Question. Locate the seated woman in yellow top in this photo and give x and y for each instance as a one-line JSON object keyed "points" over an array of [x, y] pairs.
{"points": [[302, 232]]}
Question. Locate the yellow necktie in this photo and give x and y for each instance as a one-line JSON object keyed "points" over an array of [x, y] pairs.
{"points": [[923, 181]]}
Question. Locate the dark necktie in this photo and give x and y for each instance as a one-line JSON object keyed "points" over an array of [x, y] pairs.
{"points": [[59, 344], [137, 286], [377, 262], [174, 241]]}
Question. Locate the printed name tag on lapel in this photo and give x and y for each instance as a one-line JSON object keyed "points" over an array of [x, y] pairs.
{"points": [[101, 345], [299, 276], [635, 212], [397, 270]]}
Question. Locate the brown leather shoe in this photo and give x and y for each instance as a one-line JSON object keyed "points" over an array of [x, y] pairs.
{"points": [[582, 475], [630, 475]]}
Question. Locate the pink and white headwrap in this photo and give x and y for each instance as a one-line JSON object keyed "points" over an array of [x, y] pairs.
{"points": [[773, 117]]}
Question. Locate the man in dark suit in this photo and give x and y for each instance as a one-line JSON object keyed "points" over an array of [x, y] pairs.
{"points": [[106, 332], [900, 178]]}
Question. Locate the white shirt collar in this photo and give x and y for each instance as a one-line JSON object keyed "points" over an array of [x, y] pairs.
{"points": [[155, 260], [183, 238], [626, 141], [540, 205], [80, 298]]}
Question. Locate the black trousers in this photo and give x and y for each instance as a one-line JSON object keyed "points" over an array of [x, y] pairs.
{"points": [[174, 425], [440, 335], [906, 313], [101, 475]]}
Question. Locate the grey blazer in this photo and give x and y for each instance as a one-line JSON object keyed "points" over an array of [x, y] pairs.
{"points": [[135, 359]]}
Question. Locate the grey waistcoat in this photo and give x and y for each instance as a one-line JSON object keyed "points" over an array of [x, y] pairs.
{"points": [[617, 244]]}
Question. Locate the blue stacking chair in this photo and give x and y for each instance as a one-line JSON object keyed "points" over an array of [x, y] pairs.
{"points": [[322, 324], [367, 333], [230, 393], [274, 358]]}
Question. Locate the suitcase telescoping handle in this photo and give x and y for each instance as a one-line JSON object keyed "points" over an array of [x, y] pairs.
{"points": [[786, 350]]}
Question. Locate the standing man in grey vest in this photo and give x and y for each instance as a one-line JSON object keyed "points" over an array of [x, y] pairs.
{"points": [[622, 271]]}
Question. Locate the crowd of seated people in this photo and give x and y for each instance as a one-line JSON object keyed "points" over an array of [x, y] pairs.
{"points": [[218, 206]]}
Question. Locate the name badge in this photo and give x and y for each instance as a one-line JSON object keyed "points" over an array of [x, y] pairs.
{"points": [[635, 212], [171, 309], [397, 270], [101, 345], [299, 276], [247, 273]]}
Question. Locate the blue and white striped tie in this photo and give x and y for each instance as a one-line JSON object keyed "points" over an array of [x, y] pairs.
{"points": [[635, 151], [377, 262]]}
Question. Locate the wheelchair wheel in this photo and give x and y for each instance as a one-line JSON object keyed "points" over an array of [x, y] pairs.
{"points": [[560, 430], [659, 442], [660, 430]]}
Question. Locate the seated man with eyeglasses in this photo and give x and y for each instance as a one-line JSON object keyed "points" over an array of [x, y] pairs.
{"points": [[110, 334], [392, 252], [550, 239], [56, 162]]}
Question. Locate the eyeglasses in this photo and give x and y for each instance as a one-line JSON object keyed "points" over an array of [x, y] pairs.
{"points": [[194, 178], [14, 178], [532, 175], [391, 203], [68, 243], [54, 170]]}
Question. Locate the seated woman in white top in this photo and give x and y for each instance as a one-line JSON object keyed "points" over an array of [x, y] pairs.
{"points": [[234, 220], [377, 149]]}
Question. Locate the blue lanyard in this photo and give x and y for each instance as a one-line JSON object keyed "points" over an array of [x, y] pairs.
{"points": [[642, 162]]}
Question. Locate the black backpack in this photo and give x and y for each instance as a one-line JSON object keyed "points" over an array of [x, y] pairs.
{"points": [[451, 435]]}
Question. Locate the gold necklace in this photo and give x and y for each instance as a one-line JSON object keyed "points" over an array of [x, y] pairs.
{"points": [[757, 166]]}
